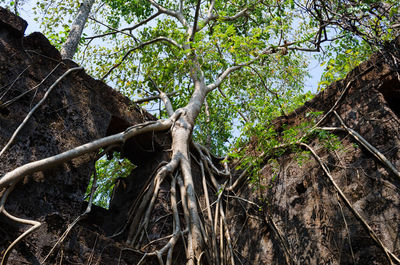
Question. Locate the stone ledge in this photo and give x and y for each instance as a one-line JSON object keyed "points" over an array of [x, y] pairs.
{"points": [[12, 21]]}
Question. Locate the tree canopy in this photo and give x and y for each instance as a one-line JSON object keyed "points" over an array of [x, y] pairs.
{"points": [[141, 47]]}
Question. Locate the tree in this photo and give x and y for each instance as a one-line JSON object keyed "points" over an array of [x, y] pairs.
{"points": [[221, 61], [71, 44]]}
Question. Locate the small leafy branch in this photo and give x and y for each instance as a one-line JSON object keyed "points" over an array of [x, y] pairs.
{"points": [[109, 173], [272, 144]]}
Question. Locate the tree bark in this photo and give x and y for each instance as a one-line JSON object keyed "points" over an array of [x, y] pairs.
{"points": [[71, 44], [181, 137]]}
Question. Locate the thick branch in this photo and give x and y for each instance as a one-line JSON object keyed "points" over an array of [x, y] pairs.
{"points": [[167, 103], [71, 44], [45, 163]]}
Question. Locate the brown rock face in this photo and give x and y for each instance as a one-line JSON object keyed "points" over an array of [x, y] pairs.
{"points": [[301, 219], [315, 225], [79, 110]]}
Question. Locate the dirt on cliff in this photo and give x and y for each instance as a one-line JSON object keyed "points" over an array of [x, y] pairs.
{"points": [[293, 216]]}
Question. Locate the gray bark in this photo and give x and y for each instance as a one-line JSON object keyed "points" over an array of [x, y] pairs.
{"points": [[71, 44]]}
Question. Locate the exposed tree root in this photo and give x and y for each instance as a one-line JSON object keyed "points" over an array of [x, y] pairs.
{"points": [[35, 224], [369, 147], [288, 255], [205, 237], [390, 256], [37, 106], [85, 213]]}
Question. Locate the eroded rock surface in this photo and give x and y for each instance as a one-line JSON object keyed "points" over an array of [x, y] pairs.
{"points": [[79, 110], [315, 225]]}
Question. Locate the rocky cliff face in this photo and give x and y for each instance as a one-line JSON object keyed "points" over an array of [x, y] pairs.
{"points": [[78, 110], [301, 219], [304, 221]]}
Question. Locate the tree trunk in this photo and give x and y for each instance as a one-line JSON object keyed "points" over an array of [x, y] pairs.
{"points": [[71, 44], [181, 137]]}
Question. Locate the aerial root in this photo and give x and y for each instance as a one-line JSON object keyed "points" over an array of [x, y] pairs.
{"points": [[35, 224], [213, 224], [147, 199], [177, 232], [35, 107], [286, 251], [88, 208], [213, 242], [389, 255], [375, 152]]}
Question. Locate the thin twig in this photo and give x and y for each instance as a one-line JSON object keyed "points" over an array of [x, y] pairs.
{"points": [[9, 102], [142, 100], [141, 45]]}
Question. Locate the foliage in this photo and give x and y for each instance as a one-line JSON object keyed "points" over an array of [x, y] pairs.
{"points": [[271, 145], [344, 57], [275, 36], [109, 171]]}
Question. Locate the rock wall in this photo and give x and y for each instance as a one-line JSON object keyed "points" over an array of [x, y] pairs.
{"points": [[301, 209], [78, 110]]}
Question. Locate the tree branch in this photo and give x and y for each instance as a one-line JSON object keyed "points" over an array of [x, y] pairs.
{"points": [[178, 15], [229, 70], [154, 98], [211, 16], [196, 17], [115, 30], [141, 45], [18, 173], [240, 113], [124, 29], [164, 97]]}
